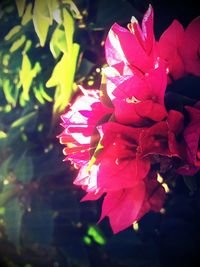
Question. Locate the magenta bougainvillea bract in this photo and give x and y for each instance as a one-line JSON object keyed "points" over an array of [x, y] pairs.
{"points": [[122, 137]]}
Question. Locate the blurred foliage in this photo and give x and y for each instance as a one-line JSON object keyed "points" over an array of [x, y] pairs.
{"points": [[47, 48]]}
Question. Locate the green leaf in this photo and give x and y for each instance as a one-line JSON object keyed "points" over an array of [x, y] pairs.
{"points": [[44, 94], [2, 211], [2, 135], [87, 240], [27, 15], [95, 232], [41, 20], [68, 24], [25, 76], [17, 44], [5, 60], [58, 43], [54, 10], [7, 108], [22, 101], [20, 6], [63, 77], [9, 191], [12, 219], [27, 46], [5, 167], [24, 120], [73, 8], [24, 169], [8, 92], [41, 95], [36, 69], [38, 96], [57, 76], [12, 32]]}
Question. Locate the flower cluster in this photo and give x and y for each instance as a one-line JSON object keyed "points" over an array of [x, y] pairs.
{"points": [[123, 136]]}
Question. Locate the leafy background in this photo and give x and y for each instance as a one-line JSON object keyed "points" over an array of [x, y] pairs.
{"points": [[47, 48]]}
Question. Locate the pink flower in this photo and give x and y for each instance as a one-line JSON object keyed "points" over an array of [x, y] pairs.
{"points": [[160, 139], [124, 207], [169, 49], [190, 49], [138, 100], [123, 175], [154, 197], [132, 51], [87, 179], [79, 122], [192, 136], [180, 49], [119, 164], [122, 136]]}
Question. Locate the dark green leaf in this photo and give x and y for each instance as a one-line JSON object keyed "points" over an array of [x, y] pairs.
{"points": [[24, 169], [12, 32], [24, 120], [12, 218], [5, 167]]}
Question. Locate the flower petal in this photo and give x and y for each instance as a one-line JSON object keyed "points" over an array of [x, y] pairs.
{"points": [[80, 121], [117, 174], [122, 207], [151, 86], [117, 50], [139, 114], [148, 30], [154, 196], [191, 47], [169, 45]]}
